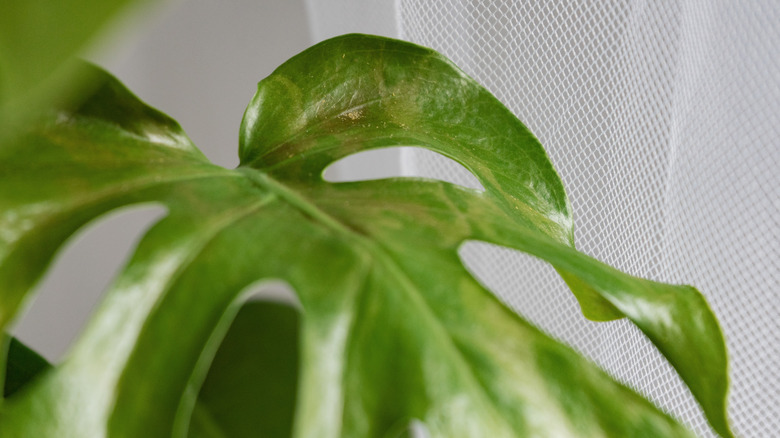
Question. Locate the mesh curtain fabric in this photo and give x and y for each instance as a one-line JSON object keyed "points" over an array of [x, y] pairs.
{"points": [[663, 120]]}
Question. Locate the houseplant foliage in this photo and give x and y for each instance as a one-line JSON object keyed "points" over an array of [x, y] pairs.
{"points": [[392, 329]]}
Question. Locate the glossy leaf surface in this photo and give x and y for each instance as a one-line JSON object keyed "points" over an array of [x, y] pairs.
{"points": [[393, 326]]}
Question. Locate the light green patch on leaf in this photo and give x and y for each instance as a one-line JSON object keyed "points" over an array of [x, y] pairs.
{"points": [[394, 330], [38, 40]]}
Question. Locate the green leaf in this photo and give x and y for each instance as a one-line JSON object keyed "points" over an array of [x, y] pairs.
{"points": [[22, 367], [252, 382], [394, 330], [38, 39]]}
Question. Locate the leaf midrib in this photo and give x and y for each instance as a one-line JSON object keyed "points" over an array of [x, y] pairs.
{"points": [[266, 182], [415, 296]]}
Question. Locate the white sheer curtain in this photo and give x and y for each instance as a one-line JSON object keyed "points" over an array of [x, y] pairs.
{"points": [[662, 122], [663, 119]]}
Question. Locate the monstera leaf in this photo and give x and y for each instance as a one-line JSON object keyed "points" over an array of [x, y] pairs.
{"points": [[394, 331]]}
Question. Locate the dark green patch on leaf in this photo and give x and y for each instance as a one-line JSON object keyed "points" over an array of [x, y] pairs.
{"points": [[22, 365], [252, 382]]}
